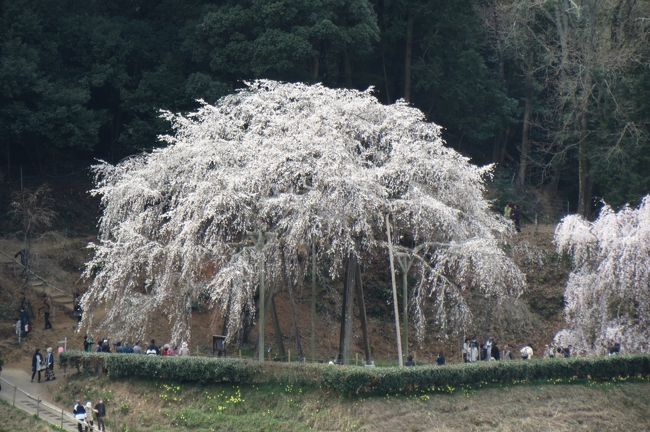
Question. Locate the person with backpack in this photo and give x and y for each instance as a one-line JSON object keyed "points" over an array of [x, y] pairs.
{"points": [[79, 413]]}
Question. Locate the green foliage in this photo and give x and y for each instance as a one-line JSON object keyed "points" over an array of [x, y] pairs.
{"points": [[381, 381], [86, 79], [357, 381]]}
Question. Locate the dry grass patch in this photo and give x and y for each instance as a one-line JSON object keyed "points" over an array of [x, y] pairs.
{"points": [[15, 420]]}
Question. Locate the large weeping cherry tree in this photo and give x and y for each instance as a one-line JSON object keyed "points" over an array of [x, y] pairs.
{"points": [[608, 293], [279, 177]]}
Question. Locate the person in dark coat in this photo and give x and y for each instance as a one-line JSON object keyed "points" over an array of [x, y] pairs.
{"points": [[440, 360], [100, 413], [80, 415], [37, 364], [46, 312], [153, 349], [496, 354]]}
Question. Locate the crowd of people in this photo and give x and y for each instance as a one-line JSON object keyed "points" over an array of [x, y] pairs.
{"points": [[489, 350], [120, 347], [90, 417]]}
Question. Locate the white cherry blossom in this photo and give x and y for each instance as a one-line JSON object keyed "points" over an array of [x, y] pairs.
{"points": [[303, 165]]}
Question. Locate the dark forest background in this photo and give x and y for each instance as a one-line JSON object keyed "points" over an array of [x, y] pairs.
{"points": [[556, 92]]}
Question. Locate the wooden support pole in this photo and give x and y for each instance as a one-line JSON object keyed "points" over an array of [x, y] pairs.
{"points": [[400, 360], [312, 336], [361, 304], [262, 315]]}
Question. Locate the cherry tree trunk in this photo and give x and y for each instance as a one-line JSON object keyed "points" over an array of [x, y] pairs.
{"points": [[279, 338]]}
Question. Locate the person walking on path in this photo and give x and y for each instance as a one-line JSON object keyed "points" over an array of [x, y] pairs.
{"points": [[37, 364], [90, 424], [49, 365], [24, 262], [79, 413], [46, 311], [100, 413]]}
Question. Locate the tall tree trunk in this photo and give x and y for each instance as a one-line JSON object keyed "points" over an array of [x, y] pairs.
{"points": [[405, 264], [400, 360], [408, 57], [262, 300], [524, 154], [501, 145], [381, 19], [300, 355], [361, 304], [226, 317], [346, 310], [290, 288], [279, 339], [584, 176], [315, 69], [405, 313], [383, 67]]}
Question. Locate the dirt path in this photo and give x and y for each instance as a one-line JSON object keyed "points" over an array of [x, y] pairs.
{"points": [[34, 398]]}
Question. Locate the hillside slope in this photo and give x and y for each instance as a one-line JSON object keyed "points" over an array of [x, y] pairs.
{"points": [[532, 319]]}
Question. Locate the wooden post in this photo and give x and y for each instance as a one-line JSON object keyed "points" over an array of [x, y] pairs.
{"points": [[346, 311], [349, 313], [312, 336], [262, 317], [405, 311], [405, 263], [400, 361], [361, 304]]}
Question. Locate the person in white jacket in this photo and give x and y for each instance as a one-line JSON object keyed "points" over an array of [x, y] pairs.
{"points": [[184, 351], [526, 352]]}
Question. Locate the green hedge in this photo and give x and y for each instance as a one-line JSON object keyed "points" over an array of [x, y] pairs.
{"points": [[380, 381], [192, 369], [353, 380]]}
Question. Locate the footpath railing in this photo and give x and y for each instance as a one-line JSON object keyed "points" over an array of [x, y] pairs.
{"points": [[33, 404]]}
